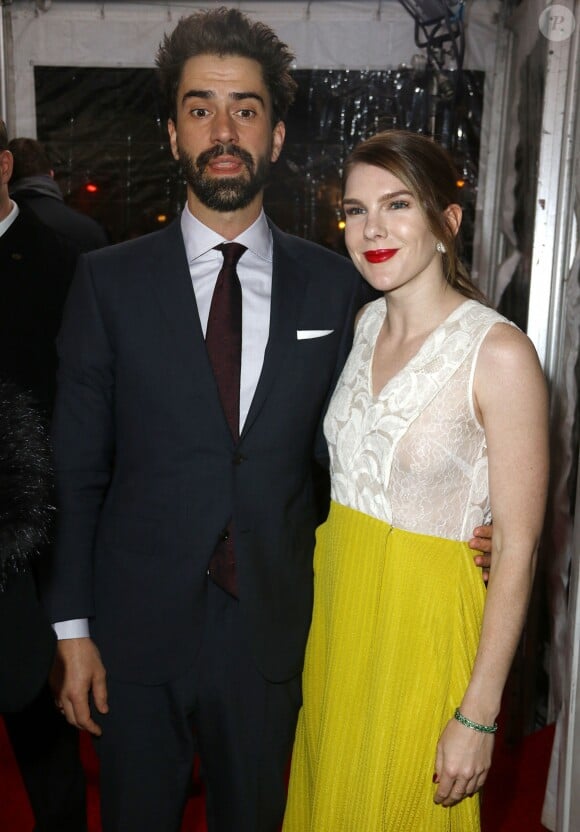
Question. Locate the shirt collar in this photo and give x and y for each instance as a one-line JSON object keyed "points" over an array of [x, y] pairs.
{"points": [[199, 239], [8, 220]]}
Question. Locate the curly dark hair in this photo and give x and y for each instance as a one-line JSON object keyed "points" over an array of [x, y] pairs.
{"points": [[429, 172], [224, 31]]}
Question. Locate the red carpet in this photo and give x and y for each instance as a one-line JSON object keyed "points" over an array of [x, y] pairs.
{"points": [[514, 792], [513, 796]]}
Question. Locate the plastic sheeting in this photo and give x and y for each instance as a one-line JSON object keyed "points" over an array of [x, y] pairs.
{"points": [[106, 135]]}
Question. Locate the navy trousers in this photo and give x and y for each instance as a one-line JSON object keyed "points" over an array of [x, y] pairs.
{"points": [[241, 725]]}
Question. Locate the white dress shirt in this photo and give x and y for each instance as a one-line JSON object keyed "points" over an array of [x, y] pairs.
{"points": [[255, 273], [9, 219]]}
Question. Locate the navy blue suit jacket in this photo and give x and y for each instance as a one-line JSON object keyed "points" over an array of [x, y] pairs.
{"points": [[148, 473]]}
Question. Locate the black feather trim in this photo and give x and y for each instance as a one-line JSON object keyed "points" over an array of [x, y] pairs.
{"points": [[25, 480]]}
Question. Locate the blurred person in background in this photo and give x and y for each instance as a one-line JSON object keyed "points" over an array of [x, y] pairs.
{"points": [[34, 185], [36, 268]]}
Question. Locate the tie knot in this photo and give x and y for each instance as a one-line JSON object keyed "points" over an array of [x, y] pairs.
{"points": [[231, 252]]}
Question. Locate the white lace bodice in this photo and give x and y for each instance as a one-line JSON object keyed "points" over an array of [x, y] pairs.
{"points": [[415, 455]]}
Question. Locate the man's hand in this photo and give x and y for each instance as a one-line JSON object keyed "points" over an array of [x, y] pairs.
{"points": [[481, 541], [76, 674]]}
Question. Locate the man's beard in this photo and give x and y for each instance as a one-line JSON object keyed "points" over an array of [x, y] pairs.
{"points": [[227, 193]]}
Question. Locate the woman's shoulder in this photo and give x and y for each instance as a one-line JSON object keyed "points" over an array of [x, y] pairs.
{"points": [[507, 355], [505, 338]]}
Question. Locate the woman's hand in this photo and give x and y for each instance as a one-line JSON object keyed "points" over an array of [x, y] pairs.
{"points": [[462, 763]]}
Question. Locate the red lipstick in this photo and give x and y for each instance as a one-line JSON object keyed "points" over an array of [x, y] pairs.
{"points": [[379, 255]]}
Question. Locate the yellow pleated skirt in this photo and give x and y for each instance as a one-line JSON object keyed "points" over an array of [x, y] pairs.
{"points": [[396, 623]]}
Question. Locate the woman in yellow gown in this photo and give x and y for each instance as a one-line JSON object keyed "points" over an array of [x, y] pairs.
{"points": [[438, 423]]}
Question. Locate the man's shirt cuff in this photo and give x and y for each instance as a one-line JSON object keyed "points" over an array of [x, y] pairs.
{"points": [[75, 628]]}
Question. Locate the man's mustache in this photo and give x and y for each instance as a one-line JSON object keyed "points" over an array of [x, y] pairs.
{"points": [[224, 150]]}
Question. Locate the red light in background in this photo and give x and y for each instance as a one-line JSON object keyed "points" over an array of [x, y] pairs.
{"points": [[91, 188]]}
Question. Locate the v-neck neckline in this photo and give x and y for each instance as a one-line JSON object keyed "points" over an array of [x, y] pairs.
{"points": [[412, 360]]}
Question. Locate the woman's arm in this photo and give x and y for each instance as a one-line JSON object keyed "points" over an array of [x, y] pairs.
{"points": [[510, 397]]}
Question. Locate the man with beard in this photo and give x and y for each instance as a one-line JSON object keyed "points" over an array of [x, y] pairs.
{"points": [[185, 443]]}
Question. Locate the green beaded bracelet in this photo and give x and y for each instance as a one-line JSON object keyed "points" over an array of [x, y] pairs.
{"points": [[476, 726]]}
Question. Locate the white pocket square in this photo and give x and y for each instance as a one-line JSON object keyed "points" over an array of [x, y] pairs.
{"points": [[303, 334]]}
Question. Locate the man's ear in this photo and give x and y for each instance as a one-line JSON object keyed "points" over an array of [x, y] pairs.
{"points": [[6, 165], [453, 214], [278, 136], [172, 130]]}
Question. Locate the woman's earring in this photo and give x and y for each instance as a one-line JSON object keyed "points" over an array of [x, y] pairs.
{"points": [[440, 247]]}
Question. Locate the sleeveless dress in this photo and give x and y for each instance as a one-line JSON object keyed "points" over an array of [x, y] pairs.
{"points": [[398, 601]]}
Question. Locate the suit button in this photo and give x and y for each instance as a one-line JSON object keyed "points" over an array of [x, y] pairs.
{"points": [[239, 458]]}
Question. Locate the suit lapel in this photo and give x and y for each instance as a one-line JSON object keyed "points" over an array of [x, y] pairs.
{"points": [[170, 280], [288, 290], [168, 276]]}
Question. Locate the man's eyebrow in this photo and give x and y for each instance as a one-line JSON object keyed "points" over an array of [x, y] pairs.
{"points": [[197, 94], [235, 96], [240, 96]]}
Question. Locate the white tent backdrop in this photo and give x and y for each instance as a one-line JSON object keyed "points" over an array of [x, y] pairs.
{"points": [[364, 34]]}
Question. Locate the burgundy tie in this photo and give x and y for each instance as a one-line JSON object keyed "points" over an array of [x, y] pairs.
{"points": [[224, 334], [224, 346]]}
